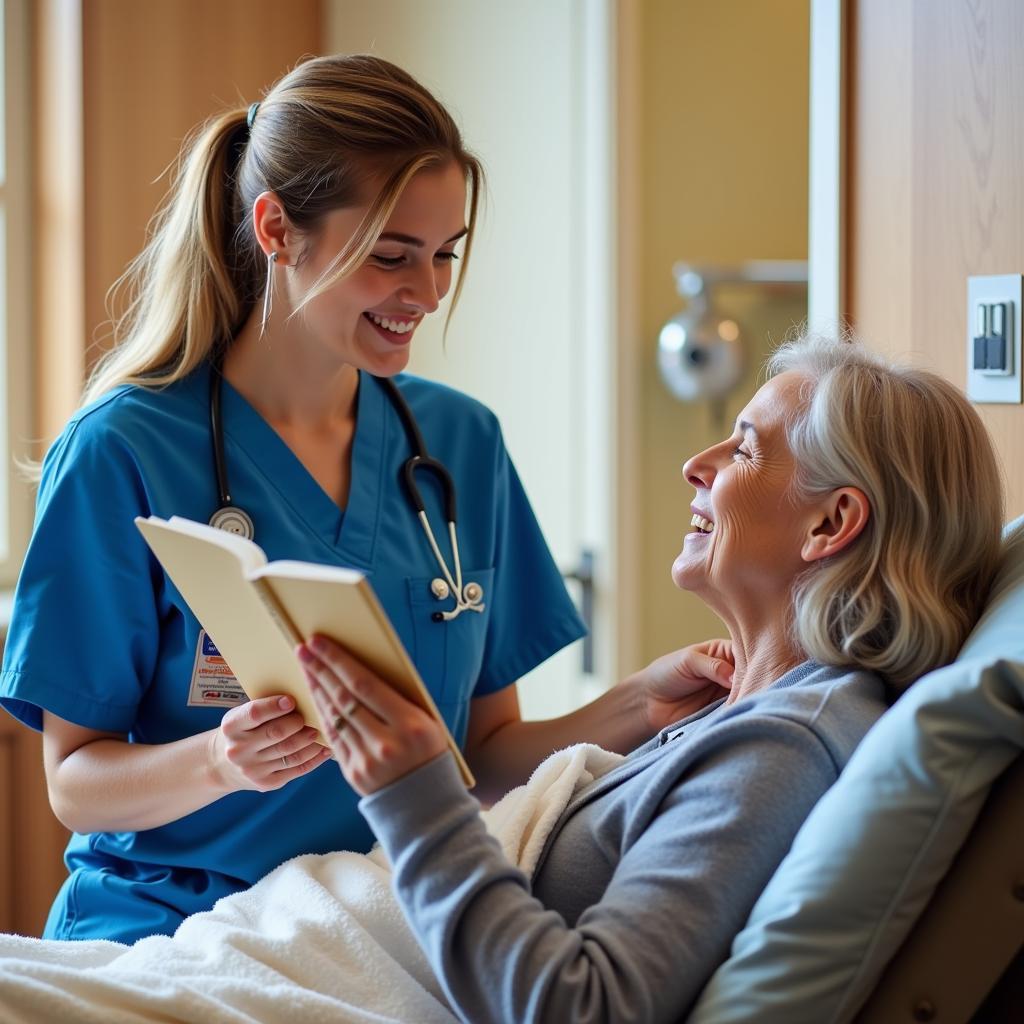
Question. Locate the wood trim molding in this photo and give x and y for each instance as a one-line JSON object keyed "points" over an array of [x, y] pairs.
{"points": [[58, 213], [17, 425], [627, 348]]}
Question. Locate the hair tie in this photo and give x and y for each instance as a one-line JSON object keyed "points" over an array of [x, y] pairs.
{"points": [[251, 116]]}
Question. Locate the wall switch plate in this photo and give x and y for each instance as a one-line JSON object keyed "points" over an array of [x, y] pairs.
{"points": [[994, 357]]}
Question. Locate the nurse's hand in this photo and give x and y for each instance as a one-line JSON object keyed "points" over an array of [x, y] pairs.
{"points": [[265, 744], [681, 683], [376, 734]]}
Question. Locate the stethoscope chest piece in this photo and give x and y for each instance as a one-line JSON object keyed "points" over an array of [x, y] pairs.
{"points": [[233, 520]]}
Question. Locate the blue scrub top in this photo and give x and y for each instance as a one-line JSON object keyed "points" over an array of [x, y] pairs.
{"points": [[100, 637]]}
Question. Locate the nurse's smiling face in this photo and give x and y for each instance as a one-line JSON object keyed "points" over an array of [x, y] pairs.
{"points": [[746, 548], [369, 318]]}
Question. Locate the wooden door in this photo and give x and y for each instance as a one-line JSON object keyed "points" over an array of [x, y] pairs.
{"points": [[935, 143]]}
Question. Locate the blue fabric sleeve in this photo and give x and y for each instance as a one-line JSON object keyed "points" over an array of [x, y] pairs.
{"points": [[682, 889], [84, 633], [533, 616]]}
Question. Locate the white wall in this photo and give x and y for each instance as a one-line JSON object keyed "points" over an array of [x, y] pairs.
{"points": [[510, 74]]}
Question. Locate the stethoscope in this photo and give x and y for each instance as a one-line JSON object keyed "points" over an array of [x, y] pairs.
{"points": [[228, 516]]}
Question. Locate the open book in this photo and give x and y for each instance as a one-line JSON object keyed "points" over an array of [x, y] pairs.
{"points": [[256, 612]]}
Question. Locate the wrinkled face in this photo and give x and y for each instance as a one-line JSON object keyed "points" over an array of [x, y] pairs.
{"points": [[369, 318], [748, 529]]}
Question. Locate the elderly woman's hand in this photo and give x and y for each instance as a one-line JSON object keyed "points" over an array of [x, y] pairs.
{"points": [[376, 734], [678, 684]]}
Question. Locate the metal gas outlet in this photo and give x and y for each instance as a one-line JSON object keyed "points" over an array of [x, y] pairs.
{"points": [[994, 338]]}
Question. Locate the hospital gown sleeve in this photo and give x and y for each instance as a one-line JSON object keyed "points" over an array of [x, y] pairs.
{"points": [[83, 638], [532, 615]]}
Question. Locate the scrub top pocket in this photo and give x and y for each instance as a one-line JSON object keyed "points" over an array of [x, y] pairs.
{"points": [[449, 654]]}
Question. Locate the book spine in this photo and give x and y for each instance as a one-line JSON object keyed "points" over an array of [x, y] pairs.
{"points": [[277, 611]]}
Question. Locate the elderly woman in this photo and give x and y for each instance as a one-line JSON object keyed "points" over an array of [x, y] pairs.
{"points": [[847, 533]]}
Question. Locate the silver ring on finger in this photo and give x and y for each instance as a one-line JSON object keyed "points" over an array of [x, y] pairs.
{"points": [[284, 760]]}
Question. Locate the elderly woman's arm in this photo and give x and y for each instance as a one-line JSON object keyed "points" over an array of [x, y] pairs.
{"points": [[696, 852]]}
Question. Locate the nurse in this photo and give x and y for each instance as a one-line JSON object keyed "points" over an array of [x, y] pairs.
{"points": [[305, 240]]}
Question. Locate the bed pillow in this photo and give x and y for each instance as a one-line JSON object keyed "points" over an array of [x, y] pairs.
{"points": [[872, 851]]}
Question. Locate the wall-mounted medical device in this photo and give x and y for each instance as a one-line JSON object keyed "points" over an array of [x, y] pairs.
{"points": [[700, 350]]}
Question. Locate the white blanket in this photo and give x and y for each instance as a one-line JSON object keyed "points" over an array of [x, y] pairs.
{"points": [[321, 938]]}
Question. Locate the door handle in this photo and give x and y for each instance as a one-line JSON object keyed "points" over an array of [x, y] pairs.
{"points": [[583, 574]]}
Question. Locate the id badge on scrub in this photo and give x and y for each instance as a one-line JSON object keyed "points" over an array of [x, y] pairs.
{"points": [[213, 684]]}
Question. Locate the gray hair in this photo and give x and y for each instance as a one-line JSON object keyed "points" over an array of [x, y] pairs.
{"points": [[902, 598]]}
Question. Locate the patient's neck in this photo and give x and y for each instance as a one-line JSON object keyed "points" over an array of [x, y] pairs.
{"points": [[761, 658]]}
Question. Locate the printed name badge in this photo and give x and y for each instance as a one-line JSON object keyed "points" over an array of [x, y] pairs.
{"points": [[213, 683]]}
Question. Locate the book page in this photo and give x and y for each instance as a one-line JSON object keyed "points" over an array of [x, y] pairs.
{"points": [[249, 554], [307, 571], [340, 604], [210, 567]]}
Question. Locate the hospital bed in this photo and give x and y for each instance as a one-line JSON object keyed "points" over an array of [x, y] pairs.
{"points": [[902, 898]]}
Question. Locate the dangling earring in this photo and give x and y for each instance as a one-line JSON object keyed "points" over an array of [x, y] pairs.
{"points": [[268, 291]]}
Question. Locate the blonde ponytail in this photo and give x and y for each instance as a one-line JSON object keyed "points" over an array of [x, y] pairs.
{"points": [[186, 293], [321, 133]]}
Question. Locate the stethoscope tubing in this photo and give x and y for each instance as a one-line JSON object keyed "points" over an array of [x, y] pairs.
{"points": [[229, 516]]}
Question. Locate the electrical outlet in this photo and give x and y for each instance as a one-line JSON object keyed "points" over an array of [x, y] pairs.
{"points": [[994, 338]]}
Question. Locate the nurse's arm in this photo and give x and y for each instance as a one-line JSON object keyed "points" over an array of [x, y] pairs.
{"points": [[99, 782], [502, 750]]}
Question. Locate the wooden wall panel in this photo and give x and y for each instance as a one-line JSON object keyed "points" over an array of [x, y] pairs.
{"points": [[32, 841], [151, 72], [879, 238], [7, 834], [936, 145], [969, 192]]}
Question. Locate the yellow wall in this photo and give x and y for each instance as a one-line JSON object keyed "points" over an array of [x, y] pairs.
{"points": [[724, 101]]}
